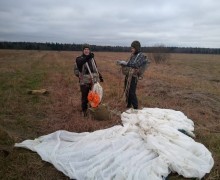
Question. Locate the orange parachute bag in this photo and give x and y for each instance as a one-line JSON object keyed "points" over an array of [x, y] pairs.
{"points": [[95, 95], [93, 99]]}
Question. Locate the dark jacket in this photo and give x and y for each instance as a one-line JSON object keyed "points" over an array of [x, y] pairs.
{"points": [[81, 61]]}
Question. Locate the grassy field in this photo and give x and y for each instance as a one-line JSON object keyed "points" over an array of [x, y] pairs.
{"points": [[189, 83]]}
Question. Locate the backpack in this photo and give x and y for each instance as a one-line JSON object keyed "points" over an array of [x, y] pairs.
{"points": [[143, 68]]}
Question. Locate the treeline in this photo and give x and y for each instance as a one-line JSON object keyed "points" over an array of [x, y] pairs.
{"points": [[78, 47]]}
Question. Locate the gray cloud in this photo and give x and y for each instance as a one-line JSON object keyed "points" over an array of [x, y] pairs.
{"points": [[172, 23]]}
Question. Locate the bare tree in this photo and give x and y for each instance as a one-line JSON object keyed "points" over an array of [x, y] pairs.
{"points": [[160, 54]]}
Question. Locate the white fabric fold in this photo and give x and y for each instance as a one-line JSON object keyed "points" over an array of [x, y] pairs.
{"points": [[147, 146]]}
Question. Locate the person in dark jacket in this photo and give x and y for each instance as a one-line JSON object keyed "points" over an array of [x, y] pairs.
{"points": [[137, 59], [88, 75]]}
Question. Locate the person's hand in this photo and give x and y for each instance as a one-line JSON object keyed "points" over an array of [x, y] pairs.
{"points": [[91, 55], [101, 79]]}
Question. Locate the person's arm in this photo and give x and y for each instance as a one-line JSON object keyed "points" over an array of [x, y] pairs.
{"points": [[81, 60], [100, 77]]}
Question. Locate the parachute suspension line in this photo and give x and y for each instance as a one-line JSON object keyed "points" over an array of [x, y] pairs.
{"points": [[130, 74], [127, 86], [120, 87], [124, 95], [121, 97]]}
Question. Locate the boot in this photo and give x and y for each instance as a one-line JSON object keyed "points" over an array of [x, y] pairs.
{"points": [[128, 106]]}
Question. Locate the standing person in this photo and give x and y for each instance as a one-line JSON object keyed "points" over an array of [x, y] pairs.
{"points": [[136, 60], [88, 75]]}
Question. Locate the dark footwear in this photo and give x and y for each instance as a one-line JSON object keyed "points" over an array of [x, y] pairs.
{"points": [[128, 106]]}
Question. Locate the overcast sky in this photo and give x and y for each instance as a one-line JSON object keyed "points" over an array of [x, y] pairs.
{"points": [[184, 23]]}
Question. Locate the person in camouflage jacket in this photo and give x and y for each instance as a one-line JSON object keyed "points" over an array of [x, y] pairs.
{"points": [[137, 59], [86, 57]]}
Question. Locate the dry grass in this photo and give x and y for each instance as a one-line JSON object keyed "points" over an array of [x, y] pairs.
{"points": [[189, 83]]}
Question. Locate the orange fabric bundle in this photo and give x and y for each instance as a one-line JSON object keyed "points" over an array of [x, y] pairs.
{"points": [[93, 99]]}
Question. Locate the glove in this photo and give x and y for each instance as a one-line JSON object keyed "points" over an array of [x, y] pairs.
{"points": [[91, 55], [101, 79]]}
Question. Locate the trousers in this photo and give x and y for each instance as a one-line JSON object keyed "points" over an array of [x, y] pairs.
{"points": [[84, 96], [131, 97]]}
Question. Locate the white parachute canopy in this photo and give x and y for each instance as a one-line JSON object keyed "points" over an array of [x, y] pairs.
{"points": [[147, 146]]}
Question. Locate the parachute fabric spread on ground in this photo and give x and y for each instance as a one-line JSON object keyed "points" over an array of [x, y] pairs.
{"points": [[148, 146]]}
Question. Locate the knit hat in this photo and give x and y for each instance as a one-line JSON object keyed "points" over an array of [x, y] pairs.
{"points": [[85, 46], [136, 45]]}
